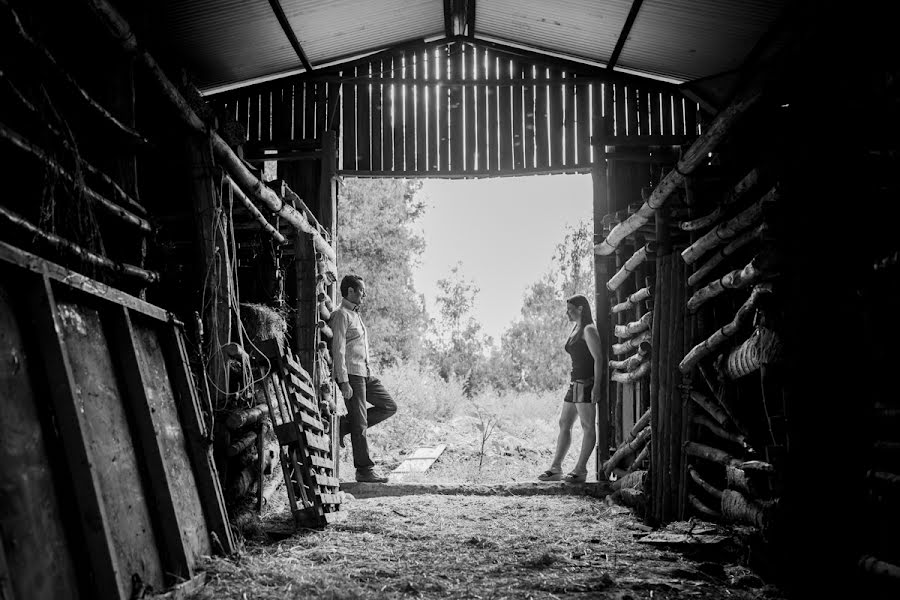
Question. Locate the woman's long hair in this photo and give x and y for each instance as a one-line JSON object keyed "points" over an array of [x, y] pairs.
{"points": [[579, 300]]}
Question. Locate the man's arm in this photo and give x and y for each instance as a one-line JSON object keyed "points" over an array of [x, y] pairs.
{"points": [[338, 324]]}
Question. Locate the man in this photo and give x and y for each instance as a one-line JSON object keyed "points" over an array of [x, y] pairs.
{"points": [[350, 354]]}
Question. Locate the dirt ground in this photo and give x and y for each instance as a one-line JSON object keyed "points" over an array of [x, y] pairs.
{"points": [[490, 547]]}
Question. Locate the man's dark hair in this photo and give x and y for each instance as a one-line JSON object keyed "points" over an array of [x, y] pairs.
{"points": [[350, 281]]}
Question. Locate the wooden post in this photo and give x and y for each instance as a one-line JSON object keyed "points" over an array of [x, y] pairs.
{"points": [[599, 177], [213, 260]]}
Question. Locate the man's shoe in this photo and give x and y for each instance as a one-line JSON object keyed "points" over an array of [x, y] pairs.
{"points": [[370, 476]]}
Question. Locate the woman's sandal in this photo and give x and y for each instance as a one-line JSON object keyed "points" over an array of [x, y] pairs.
{"points": [[574, 477], [549, 475]]}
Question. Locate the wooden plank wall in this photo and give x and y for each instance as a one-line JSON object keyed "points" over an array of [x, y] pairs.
{"points": [[459, 110]]}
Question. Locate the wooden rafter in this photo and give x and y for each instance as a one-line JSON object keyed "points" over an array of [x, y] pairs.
{"points": [[623, 35], [289, 32], [470, 18]]}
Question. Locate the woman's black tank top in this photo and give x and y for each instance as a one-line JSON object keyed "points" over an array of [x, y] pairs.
{"points": [[582, 359]]}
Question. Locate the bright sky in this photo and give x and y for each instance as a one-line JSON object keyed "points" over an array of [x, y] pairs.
{"points": [[504, 231]]}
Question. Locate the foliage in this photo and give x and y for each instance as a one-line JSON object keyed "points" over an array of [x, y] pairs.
{"points": [[456, 347], [376, 241]]}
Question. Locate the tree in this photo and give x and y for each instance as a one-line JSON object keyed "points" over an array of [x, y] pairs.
{"points": [[376, 241], [457, 346]]}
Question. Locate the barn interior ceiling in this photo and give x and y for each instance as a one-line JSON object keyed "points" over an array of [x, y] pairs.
{"points": [[230, 43]]}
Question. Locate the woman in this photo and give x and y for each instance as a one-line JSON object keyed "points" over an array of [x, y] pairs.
{"points": [[583, 346]]}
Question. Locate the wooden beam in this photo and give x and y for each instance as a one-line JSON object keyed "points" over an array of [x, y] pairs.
{"points": [[470, 18], [289, 32], [623, 35]]}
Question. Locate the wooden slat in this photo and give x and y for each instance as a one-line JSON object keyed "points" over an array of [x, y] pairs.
{"points": [[312, 422], [609, 111], [470, 108], [570, 121], [422, 161], [332, 115], [481, 111], [303, 402], [277, 113], [666, 104], [542, 121], [583, 123], [457, 159], [331, 498], [409, 119], [690, 117], [621, 111], [265, 114], [348, 112], [300, 385], [309, 111], [493, 119], [678, 114], [399, 142], [297, 108], [297, 369], [363, 124], [321, 109], [321, 462], [443, 103], [432, 117], [377, 119], [243, 109], [505, 116], [635, 108], [327, 480], [94, 522], [518, 139], [120, 334], [557, 124], [528, 114], [253, 124], [655, 122], [316, 442], [387, 133]]}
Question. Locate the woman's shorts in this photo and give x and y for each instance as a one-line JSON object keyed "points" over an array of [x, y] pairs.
{"points": [[580, 392]]}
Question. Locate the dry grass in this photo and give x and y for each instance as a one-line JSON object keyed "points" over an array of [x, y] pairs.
{"points": [[477, 547]]}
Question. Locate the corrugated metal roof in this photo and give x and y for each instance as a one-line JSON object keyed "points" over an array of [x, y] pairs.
{"points": [[229, 42], [226, 41], [580, 28], [330, 28], [693, 39]]}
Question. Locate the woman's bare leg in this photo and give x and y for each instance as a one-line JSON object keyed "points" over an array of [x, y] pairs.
{"points": [[587, 414], [564, 439]]}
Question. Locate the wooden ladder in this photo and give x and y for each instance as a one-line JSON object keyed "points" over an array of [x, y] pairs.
{"points": [[303, 437]]}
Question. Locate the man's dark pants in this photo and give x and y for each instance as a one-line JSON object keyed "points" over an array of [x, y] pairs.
{"points": [[358, 419]]}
